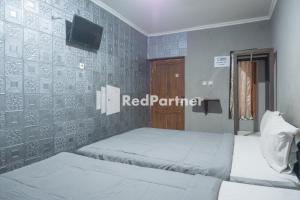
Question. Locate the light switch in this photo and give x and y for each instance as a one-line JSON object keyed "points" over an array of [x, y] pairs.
{"points": [[204, 83], [210, 83]]}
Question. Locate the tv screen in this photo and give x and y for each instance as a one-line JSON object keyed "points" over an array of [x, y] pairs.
{"points": [[84, 33]]}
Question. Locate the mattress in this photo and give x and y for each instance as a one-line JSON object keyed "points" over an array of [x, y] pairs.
{"points": [[249, 166], [237, 191], [181, 151], [68, 176]]}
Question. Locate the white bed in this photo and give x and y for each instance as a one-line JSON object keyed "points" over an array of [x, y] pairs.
{"points": [[209, 154], [68, 176], [249, 166]]}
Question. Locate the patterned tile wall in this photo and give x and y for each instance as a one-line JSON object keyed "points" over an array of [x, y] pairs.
{"points": [[167, 46], [47, 104]]}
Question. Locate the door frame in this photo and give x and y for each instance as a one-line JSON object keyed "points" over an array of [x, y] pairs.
{"points": [[269, 93], [167, 59]]}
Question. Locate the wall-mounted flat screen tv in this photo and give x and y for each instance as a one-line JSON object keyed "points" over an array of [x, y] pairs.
{"points": [[83, 33]]}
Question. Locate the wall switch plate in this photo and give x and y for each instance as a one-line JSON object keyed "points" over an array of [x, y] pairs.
{"points": [[210, 83], [204, 83], [81, 66]]}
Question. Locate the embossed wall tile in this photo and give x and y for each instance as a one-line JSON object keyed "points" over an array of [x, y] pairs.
{"points": [[31, 118], [81, 87], [13, 66], [45, 71], [59, 115], [31, 85], [31, 133], [59, 86], [70, 101], [80, 101], [70, 127], [31, 20], [45, 86], [13, 14], [59, 144], [59, 101], [90, 125], [45, 47], [49, 124], [15, 3], [81, 139], [2, 85], [31, 5], [2, 161], [70, 114], [2, 121], [59, 29], [45, 25], [13, 40], [58, 4], [46, 147], [14, 156], [2, 102], [59, 72], [2, 10], [31, 45], [59, 129], [46, 131], [32, 151], [46, 101], [71, 142], [45, 116], [14, 102], [90, 111], [2, 140], [31, 69], [2, 31], [45, 9], [31, 101], [13, 137], [70, 81]]}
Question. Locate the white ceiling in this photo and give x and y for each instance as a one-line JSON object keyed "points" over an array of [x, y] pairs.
{"points": [[156, 17]]}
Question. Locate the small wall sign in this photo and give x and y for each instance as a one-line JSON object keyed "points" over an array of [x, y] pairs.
{"points": [[222, 61]]}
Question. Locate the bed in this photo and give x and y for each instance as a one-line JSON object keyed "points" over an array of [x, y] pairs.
{"points": [[188, 152], [223, 156], [68, 176], [249, 166]]}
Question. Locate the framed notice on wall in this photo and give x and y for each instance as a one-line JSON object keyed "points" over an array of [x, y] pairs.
{"points": [[222, 61]]}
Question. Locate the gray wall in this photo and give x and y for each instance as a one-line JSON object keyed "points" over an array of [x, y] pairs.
{"points": [[167, 46], [203, 45], [286, 40], [47, 104]]}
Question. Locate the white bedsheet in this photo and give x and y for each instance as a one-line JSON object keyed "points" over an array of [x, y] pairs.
{"points": [[249, 166], [68, 176], [188, 152], [238, 191]]}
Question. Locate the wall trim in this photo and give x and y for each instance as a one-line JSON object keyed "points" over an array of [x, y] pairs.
{"points": [[212, 26], [196, 28]]}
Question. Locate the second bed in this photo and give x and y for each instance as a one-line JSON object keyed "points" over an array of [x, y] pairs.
{"points": [[225, 156]]}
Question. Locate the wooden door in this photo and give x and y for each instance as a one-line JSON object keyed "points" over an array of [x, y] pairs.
{"points": [[167, 81]]}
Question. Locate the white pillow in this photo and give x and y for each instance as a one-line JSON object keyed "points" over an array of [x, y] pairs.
{"points": [[266, 117], [276, 144]]}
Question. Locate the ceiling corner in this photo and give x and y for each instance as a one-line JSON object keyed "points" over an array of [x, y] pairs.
{"points": [[118, 15], [272, 8]]}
